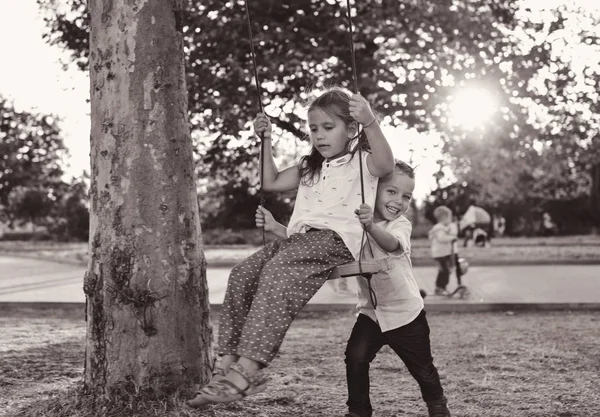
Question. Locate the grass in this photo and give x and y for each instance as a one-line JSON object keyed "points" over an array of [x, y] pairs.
{"points": [[492, 364], [504, 251]]}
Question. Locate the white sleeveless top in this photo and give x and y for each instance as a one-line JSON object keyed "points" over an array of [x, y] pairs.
{"points": [[330, 202]]}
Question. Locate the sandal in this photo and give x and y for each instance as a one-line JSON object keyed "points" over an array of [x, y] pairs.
{"points": [[260, 380], [218, 373], [221, 390]]}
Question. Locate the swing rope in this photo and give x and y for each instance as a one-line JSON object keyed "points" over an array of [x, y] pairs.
{"points": [[355, 79], [261, 192], [360, 162], [352, 53]]}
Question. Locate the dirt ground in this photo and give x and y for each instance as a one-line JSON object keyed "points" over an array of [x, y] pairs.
{"points": [[542, 364]]}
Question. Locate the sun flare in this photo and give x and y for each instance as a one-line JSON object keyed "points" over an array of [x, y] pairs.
{"points": [[471, 107]]}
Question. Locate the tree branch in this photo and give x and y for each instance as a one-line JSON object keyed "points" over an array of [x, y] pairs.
{"points": [[289, 127]]}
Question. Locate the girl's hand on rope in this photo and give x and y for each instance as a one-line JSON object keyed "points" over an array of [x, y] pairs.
{"points": [[262, 126], [264, 219], [365, 216], [360, 110]]}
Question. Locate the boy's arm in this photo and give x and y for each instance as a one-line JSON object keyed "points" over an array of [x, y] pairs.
{"points": [[387, 241]]}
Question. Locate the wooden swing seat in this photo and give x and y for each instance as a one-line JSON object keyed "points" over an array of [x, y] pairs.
{"points": [[369, 267]]}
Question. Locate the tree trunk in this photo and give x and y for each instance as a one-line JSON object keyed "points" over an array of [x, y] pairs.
{"points": [[147, 299]]}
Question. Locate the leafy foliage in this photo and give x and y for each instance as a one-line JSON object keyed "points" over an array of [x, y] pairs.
{"points": [[29, 204], [31, 184], [70, 217], [413, 60], [408, 56], [546, 162], [31, 150]]}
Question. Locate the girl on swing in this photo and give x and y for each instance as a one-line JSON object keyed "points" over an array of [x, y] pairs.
{"points": [[266, 291]]}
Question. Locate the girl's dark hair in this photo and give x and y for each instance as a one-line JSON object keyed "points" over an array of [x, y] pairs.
{"points": [[336, 102]]}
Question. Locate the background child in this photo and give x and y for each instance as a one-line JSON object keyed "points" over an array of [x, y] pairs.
{"points": [[266, 291], [398, 318], [442, 236]]}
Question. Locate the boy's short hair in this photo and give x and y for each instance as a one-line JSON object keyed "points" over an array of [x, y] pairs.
{"points": [[441, 211], [401, 167]]}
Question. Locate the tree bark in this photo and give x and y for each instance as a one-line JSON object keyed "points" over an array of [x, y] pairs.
{"points": [[147, 311]]}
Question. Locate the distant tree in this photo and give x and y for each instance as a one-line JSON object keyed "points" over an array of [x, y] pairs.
{"points": [[29, 204], [457, 197], [568, 146], [31, 153], [70, 219], [545, 162], [233, 206]]}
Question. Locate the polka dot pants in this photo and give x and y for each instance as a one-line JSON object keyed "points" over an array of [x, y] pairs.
{"points": [[266, 291]]}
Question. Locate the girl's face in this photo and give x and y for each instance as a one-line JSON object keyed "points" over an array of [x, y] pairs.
{"points": [[329, 134]]}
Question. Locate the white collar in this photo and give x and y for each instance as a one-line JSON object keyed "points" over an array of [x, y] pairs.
{"points": [[339, 161]]}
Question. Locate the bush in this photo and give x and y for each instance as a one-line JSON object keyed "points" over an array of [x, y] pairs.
{"points": [[220, 236], [26, 236], [421, 230]]}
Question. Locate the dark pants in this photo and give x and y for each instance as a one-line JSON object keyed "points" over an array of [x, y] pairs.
{"points": [[411, 344], [443, 276]]}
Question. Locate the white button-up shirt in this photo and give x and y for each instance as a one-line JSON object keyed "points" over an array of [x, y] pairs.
{"points": [[398, 299], [330, 202]]}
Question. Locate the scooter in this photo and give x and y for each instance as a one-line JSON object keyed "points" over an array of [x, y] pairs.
{"points": [[461, 267]]}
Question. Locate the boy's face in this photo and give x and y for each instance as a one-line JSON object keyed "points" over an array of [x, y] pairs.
{"points": [[393, 196]]}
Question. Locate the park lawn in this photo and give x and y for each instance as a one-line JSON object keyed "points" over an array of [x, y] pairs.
{"points": [[504, 251], [534, 364]]}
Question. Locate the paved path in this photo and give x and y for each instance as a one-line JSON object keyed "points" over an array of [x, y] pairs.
{"points": [[31, 280]]}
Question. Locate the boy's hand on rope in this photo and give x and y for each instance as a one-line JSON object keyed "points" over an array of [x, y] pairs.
{"points": [[365, 216], [262, 126], [360, 110], [265, 219]]}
